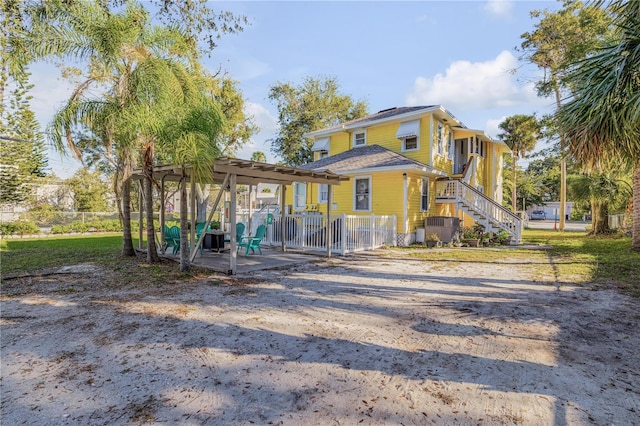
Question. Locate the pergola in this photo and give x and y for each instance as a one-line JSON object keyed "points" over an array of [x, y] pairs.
{"points": [[230, 172]]}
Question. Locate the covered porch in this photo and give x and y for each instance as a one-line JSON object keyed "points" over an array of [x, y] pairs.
{"points": [[229, 173]]}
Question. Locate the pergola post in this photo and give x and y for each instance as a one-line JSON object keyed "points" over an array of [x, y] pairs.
{"points": [[329, 227], [283, 200], [233, 255], [250, 211], [192, 236], [161, 214]]}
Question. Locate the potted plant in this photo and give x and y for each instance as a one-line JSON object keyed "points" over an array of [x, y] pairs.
{"points": [[473, 235], [431, 240], [503, 237]]}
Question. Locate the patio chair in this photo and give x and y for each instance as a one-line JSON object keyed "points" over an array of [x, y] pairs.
{"points": [[172, 238], [253, 242], [200, 228], [239, 233]]}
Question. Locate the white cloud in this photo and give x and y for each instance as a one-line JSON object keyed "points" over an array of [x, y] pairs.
{"points": [[268, 125], [474, 85], [499, 8], [492, 126]]}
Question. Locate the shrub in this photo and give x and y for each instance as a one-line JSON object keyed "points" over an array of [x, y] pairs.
{"points": [[19, 228]]}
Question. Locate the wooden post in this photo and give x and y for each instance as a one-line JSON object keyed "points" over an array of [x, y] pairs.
{"points": [[329, 224], [140, 211], [283, 200], [162, 219], [192, 234], [233, 261]]}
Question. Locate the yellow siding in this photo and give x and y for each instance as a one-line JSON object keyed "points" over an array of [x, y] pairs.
{"points": [[340, 142]]}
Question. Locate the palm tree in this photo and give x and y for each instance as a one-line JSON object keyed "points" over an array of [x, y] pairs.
{"points": [[190, 139], [259, 157], [603, 191], [520, 133], [602, 119], [129, 63]]}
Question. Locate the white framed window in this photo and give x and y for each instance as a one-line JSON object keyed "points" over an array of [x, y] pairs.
{"points": [[362, 194], [410, 143], [359, 138], [323, 193], [323, 154], [451, 145], [424, 195], [440, 139], [300, 196]]}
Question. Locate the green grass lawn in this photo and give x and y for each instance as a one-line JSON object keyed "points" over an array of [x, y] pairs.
{"points": [[37, 255], [564, 257], [569, 257]]}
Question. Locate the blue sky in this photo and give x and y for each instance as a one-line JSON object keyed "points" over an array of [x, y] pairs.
{"points": [[456, 53]]}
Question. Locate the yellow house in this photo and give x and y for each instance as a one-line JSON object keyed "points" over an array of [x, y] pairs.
{"points": [[412, 162]]}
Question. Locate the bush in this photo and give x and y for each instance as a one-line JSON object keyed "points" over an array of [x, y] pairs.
{"points": [[19, 228]]}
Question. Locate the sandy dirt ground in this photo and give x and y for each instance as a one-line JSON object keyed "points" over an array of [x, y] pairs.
{"points": [[359, 340]]}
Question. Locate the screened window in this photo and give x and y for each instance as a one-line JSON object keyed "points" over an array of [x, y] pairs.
{"points": [[362, 201], [300, 196], [359, 139], [424, 195], [323, 193]]}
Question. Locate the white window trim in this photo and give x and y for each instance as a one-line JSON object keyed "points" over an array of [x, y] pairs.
{"points": [[320, 200], [320, 157], [422, 180], [355, 180], [296, 206], [353, 138], [404, 140]]}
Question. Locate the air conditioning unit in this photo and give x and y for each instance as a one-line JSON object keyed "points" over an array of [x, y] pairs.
{"points": [[444, 226]]}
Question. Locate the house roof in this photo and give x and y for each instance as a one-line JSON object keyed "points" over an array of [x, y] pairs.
{"points": [[385, 115], [368, 158]]}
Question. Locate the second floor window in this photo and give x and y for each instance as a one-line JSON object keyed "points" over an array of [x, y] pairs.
{"points": [[359, 139], [322, 154], [409, 144], [440, 139]]}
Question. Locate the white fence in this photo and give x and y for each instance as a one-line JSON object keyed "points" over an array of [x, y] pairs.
{"points": [[308, 231]]}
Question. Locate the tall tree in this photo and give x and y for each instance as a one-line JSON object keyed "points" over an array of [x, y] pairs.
{"points": [[602, 119], [559, 39], [89, 191], [312, 105], [22, 150], [520, 133]]}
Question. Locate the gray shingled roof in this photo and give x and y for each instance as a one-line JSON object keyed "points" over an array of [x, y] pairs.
{"points": [[385, 113], [366, 157]]}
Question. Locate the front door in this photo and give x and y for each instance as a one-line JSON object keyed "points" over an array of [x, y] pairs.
{"points": [[462, 153]]}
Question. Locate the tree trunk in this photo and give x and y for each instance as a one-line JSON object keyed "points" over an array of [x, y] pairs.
{"points": [[127, 240], [563, 161], [600, 217], [202, 197], [635, 235], [185, 262], [152, 252]]}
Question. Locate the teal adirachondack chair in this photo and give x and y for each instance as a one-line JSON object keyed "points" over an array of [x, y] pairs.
{"points": [[253, 242], [172, 238]]}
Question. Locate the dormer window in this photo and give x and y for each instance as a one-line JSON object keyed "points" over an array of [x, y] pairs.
{"points": [[359, 138]]}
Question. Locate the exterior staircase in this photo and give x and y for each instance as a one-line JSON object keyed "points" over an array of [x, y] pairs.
{"points": [[483, 209]]}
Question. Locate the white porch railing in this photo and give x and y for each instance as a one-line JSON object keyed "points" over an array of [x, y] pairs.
{"points": [[483, 209], [308, 231]]}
